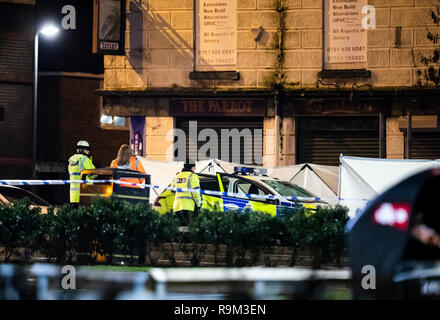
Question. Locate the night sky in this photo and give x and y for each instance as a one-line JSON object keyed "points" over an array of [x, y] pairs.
{"points": [[70, 50]]}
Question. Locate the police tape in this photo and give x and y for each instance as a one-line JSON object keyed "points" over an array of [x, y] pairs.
{"points": [[143, 185]]}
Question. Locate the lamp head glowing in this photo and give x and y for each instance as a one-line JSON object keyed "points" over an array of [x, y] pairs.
{"points": [[49, 30]]}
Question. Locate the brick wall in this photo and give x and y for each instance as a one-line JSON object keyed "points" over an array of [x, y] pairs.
{"points": [[16, 128], [16, 56], [16, 87], [79, 120], [159, 42], [70, 111], [16, 131]]}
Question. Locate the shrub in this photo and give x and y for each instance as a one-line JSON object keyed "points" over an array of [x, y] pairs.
{"points": [[20, 227], [51, 247], [135, 228], [206, 227], [267, 233], [164, 230], [89, 224], [32, 231], [10, 225], [201, 232], [64, 233], [230, 228], [107, 213], [111, 225], [321, 232], [240, 237]]}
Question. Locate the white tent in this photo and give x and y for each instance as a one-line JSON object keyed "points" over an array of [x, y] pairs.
{"points": [[362, 179], [320, 180]]}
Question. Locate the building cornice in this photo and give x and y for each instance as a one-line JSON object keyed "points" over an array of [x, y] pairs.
{"points": [[177, 92], [72, 75]]}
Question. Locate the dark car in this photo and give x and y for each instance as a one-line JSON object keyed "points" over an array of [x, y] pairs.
{"points": [[9, 194], [387, 236]]}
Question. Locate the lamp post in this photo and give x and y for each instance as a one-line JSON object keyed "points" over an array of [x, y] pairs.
{"points": [[48, 30]]}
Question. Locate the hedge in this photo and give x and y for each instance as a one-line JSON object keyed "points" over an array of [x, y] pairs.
{"points": [[112, 226], [20, 227]]}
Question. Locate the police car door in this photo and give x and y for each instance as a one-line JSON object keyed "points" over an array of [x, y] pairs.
{"points": [[211, 183]]}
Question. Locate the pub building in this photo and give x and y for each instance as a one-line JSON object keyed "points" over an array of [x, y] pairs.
{"points": [[359, 96], [225, 110]]}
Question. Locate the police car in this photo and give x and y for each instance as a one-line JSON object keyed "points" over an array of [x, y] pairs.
{"points": [[244, 181]]}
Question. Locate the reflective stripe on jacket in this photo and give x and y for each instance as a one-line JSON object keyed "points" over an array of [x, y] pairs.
{"points": [[135, 165], [187, 200], [77, 163]]}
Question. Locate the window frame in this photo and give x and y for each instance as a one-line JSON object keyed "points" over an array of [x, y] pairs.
{"points": [[112, 126], [204, 179], [259, 186]]}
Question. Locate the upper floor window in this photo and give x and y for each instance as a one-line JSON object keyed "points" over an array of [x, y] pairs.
{"points": [[112, 122]]}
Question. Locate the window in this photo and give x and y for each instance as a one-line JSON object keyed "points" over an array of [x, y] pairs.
{"points": [[209, 184], [112, 122], [240, 186], [225, 182], [288, 189]]}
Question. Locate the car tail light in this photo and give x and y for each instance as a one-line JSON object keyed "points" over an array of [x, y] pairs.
{"points": [[395, 215]]}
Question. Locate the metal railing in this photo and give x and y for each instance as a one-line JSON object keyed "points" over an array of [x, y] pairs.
{"points": [[44, 282]]}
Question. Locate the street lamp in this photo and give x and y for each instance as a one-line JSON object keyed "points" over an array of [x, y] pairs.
{"points": [[48, 30]]}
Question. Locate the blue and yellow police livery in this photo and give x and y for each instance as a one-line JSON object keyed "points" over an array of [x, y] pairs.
{"points": [[243, 182]]}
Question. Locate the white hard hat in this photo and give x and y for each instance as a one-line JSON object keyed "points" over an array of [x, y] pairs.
{"points": [[83, 144]]}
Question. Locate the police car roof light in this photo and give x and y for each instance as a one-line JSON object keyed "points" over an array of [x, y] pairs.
{"points": [[260, 171], [249, 170], [243, 170]]}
